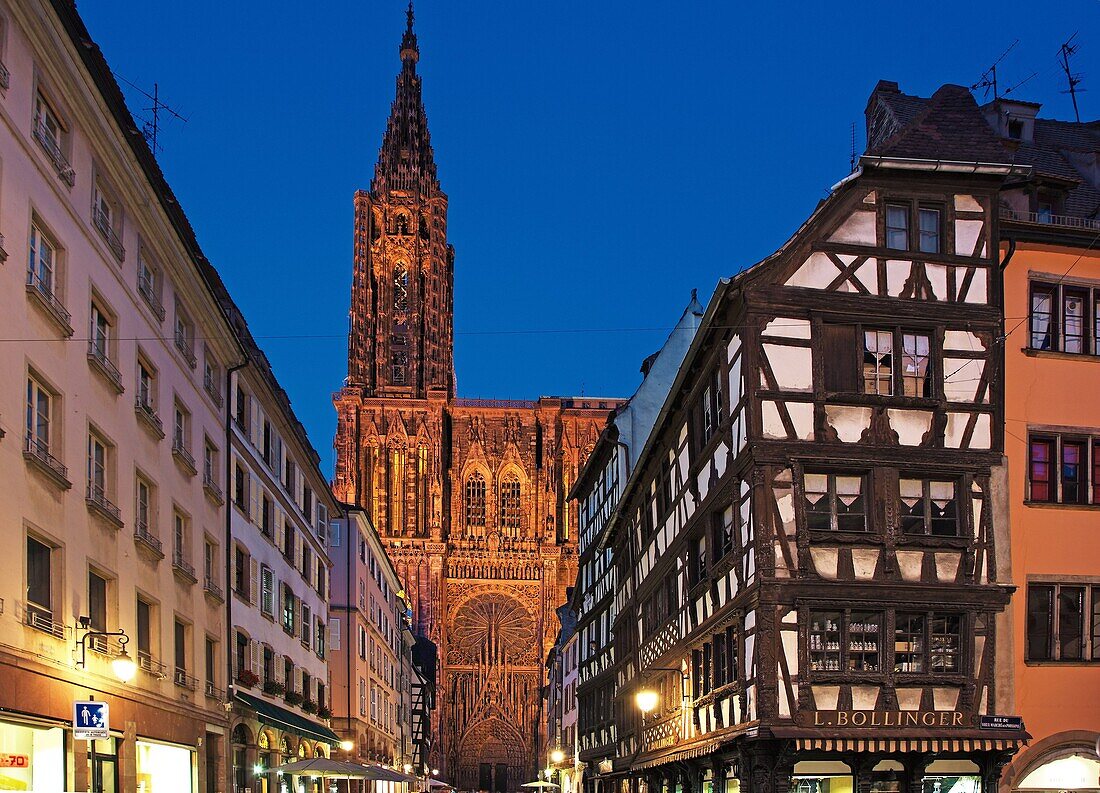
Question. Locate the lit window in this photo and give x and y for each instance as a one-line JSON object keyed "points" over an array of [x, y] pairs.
{"points": [[475, 501], [510, 512]]}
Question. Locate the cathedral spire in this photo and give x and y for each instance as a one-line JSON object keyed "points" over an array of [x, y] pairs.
{"points": [[406, 160]]}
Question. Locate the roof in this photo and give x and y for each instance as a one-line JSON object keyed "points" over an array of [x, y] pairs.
{"points": [[100, 72]]}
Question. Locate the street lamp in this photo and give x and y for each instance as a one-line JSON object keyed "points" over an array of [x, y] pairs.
{"points": [[647, 700], [557, 756], [122, 664], [435, 772]]}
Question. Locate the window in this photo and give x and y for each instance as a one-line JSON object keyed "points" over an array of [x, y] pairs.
{"points": [[42, 267], [928, 642], [1059, 469], [400, 367], [99, 458], [240, 487], [929, 506], [290, 477], [290, 608], [211, 376], [145, 514], [710, 407], [209, 463], [320, 638], [39, 584], [146, 385], [307, 501], [145, 623], [179, 537], [1063, 622], [180, 635], [724, 527], [916, 365], [243, 654], [267, 591], [475, 501], [49, 132], [845, 641], [181, 428], [39, 417], [307, 563], [101, 333], [211, 663], [148, 283], [210, 561], [929, 230], [1065, 318], [698, 561], [267, 515], [878, 362], [909, 642], [288, 674], [880, 369], [243, 411], [185, 335], [510, 511], [897, 227], [306, 625], [107, 218], [835, 502], [268, 665], [241, 572], [946, 643], [288, 541], [97, 602]]}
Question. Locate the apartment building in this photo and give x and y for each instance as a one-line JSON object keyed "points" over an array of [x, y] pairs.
{"points": [[110, 402], [372, 643], [279, 509]]}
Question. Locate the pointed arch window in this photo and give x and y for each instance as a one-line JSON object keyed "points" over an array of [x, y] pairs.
{"points": [[400, 288], [475, 501], [510, 515], [401, 225]]}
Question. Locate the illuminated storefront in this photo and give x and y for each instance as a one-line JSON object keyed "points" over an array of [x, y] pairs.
{"points": [[164, 768], [32, 757]]}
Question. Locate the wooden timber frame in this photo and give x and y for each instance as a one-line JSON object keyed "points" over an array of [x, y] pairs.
{"points": [[820, 547]]}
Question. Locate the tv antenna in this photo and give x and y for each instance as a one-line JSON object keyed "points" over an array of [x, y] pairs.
{"points": [[989, 76], [151, 127], [1067, 49]]}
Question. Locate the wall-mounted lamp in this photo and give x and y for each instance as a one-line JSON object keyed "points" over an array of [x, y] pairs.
{"points": [[122, 664]]}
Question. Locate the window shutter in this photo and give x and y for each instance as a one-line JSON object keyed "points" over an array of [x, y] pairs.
{"points": [[252, 645], [254, 581], [334, 633], [840, 357]]}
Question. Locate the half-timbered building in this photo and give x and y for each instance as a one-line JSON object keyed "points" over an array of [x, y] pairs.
{"points": [[811, 551]]}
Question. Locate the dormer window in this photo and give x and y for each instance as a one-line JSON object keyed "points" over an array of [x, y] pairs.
{"points": [[1015, 129], [897, 227]]}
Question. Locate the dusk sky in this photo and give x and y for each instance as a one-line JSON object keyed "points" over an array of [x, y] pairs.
{"points": [[602, 158]]}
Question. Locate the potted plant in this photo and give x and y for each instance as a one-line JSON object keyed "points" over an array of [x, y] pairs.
{"points": [[293, 698], [309, 706], [273, 687], [324, 711], [247, 678]]}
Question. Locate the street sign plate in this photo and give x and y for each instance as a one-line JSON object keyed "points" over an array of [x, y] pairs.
{"points": [[91, 721], [1000, 722], [15, 761]]}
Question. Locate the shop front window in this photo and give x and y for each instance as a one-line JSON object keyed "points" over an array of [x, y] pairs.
{"points": [[952, 776], [1078, 771], [36, 757], [162, 768], [820, 776]]}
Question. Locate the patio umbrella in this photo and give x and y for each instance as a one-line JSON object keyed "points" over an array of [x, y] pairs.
{"points": [[538, 783], [436, 783], [333, 769]]}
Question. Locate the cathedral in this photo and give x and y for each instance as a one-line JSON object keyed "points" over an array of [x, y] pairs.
{"points": [[469, 495]]}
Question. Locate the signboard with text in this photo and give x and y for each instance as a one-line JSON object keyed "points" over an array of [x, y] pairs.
{"points": [[1000, 722], [886, 718], [91, 721], [15, 760]]}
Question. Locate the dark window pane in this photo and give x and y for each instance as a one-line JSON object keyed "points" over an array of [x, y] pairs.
{"points": [[1095, 623], [1040, 627], [39, 586], [929, 230], [1074, 485], [1071, 622], [1042, 317], [1040, 472], [909, 643], [143, 627], [1074, 320], [946, 643], [943, 509], [897, 227], [97, 602]]}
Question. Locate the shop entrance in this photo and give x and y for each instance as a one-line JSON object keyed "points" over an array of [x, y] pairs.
{"points": [[103, 762], [1074, 771]]}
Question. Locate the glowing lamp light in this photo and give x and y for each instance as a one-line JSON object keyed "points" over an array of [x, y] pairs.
{"points": [[435, 772], [257, 769], [124, 667], [557, 756], [647, 700], [408, 767], [347, 746]]}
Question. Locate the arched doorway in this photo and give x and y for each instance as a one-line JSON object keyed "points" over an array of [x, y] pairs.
{"points": [[241, 738]]}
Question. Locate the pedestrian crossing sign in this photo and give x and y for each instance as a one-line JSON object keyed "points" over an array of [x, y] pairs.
{"points": [[91, 721]]}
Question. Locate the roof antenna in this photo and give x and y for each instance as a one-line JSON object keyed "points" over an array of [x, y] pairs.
{"points": [[151, 128], [1071, 78], [989, 76], [852, 159]]}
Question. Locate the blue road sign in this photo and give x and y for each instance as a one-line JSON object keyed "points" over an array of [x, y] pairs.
{"points": [[91, 720]]}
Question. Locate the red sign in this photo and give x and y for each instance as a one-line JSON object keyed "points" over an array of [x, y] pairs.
{"points": [[15, 761]]}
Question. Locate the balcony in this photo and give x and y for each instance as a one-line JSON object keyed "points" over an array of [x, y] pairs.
{"points": [[101, 362], [213, 691], [103, 224], [149, 541], [210, 385], [213, 589], [210, 485], [97, 502], [3, 250], [37, 452], [184, 680], [45, 296], [148, 414], [148, 291], [186, 348], [183, 568], [1046, 219], [52, 147], [42, 620], [5, 76], [147, 663], [183, 456]]}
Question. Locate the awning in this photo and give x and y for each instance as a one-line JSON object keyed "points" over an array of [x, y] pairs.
{"points": [[688, 753], [285, 719], [953, 745]]}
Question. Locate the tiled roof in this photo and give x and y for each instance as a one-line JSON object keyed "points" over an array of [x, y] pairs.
{"points": [[950, 126]]}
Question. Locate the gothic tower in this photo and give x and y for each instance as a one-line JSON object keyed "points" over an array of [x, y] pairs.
{"points": [[468, 495], [402, 316]]}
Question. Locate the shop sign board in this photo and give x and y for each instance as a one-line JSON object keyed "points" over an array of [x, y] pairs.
{"points": [[1000, 722], [15, 760], [887, 718], [91, 721]]}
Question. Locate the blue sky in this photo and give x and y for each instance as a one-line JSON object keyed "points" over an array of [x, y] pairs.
{"points": [[602, 158]]}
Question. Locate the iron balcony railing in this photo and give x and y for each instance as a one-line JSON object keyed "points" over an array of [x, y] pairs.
{"points": [[147, 290], [52, 147], [103, 223], [97, 355], [41, 619], [186, 348], [1047, 219], [150, 540], [179, 449], [184, 680], [148, 663], [210, 484], [38, 450], [183, 567], [47, 295], [212, 690], [149, 414], [212, 588], [5, 76], [211, 385], [97, 499]]}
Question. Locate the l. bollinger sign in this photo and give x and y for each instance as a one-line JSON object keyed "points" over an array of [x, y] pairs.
{"points": [[886, 718]]}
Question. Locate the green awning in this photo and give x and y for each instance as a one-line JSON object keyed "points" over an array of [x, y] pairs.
{"points": [[286, 720]]}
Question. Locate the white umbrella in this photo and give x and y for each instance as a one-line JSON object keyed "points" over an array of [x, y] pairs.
{"points": [[333, 769], [436, 783], [538, 783]]}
